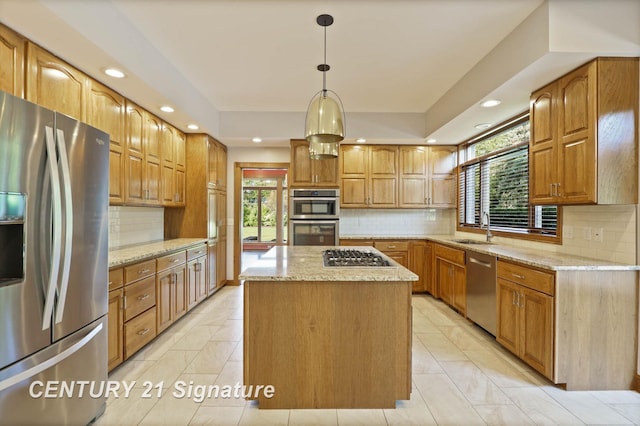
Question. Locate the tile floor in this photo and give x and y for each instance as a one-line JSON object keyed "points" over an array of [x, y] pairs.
{"points": [[460, 377]]}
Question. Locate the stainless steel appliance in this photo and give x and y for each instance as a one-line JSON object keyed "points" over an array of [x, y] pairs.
{"points": [[54, 174], [352, 257], [481, 290], [314, 216]]}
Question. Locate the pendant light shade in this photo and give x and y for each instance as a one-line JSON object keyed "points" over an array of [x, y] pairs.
{"points": [[325, 121]]}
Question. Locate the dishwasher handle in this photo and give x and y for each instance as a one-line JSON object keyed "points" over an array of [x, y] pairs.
{"points": [[480, 262]]}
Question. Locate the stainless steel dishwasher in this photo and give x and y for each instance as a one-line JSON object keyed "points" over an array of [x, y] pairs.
{"points": [[481, 290]]}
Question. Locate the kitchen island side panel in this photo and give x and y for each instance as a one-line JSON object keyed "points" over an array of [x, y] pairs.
{"points": [[325, 344]]}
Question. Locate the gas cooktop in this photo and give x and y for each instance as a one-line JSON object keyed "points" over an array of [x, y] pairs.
{"points": [[351, 257]]}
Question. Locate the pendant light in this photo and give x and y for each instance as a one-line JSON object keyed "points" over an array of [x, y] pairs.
{"points": [[325, 121]]}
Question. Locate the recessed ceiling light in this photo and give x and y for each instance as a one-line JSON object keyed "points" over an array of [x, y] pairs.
{"points": [[431, 140], [193, 126], [482, 126], [115, 73], [490, 103], [256, 140], [166, 108], [361, 140]]}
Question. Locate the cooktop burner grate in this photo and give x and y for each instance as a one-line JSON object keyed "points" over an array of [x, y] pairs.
{"points": [[351, 257]]}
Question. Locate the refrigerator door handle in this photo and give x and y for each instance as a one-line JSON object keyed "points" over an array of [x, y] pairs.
{"points": [[56, 359], [68, 224], [56, 206]]}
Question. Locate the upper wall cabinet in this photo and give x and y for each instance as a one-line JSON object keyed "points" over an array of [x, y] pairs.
{"points": [[173, 166], [368, 176], [584, 136], [54, 84], [12, 48], [217, 165], [305, 172], [142, 158], [427, 176], [106, 111]]}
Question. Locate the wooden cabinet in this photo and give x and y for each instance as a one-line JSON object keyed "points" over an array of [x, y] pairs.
{"points": [[368, 176], [173, 166], [205, 214], [12, 54], [450, 276], [525, 314], [171, 289], [396, 250], [217, 164], [115, 319], [427, 176], [584, 137], [54, 84], [420, 263], [139, 303], [308, 173], [142, 157], [106, 111], [196, 275]]}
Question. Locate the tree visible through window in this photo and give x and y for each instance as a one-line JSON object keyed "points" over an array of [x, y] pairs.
{"points": [[494, 178]]}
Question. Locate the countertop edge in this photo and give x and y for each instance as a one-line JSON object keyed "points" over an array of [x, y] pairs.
{"points": [[131, 254]]}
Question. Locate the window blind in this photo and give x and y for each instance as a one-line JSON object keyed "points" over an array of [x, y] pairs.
{"points": [[499, 185]]}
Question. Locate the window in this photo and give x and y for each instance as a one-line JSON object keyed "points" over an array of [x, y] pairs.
{"points": [[494, 178]]}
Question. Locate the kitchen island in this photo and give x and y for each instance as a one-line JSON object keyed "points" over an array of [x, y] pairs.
{"points": [[327, 337]]}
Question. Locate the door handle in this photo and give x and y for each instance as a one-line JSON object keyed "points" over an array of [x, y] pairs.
{"points": [[68, 225], [56, 238], [480, 262]]}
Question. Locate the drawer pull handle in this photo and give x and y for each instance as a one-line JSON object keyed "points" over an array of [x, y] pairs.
{"points": [[391, 246], [143, 332], [110, 282], [199, 252], [176, 260], [518, 276], [144, 271], [143, 297]]}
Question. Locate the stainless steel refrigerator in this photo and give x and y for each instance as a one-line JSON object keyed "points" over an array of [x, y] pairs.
{"points": [[53, 266]]}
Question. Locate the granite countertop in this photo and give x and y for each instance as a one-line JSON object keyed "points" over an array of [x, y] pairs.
{"points": [[540, 259], [124, 255], [304, 263], [384, 237]]}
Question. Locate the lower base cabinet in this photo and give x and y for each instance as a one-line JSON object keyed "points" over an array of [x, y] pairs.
{"points": [[171, 289], [525, 325], [451, 276], [145, 298]]}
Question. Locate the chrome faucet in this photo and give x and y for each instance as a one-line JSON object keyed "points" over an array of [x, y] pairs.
{"points": [[489, 235]]}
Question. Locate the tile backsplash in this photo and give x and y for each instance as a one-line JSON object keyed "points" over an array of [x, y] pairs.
{"points": [[396, 222], [598, 232], [135, 225]]}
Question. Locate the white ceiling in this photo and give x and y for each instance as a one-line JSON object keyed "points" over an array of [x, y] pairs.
{"points": [[405, 69]]}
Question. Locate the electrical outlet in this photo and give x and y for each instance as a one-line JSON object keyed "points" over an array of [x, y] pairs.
{"points": [[568, 232], [598, 235], [586, 233]]}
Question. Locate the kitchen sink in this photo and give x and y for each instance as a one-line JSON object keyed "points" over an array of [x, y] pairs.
{"points": [[469, 241]]}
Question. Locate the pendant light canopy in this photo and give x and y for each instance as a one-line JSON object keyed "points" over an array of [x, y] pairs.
{"points": [[325, 122]]}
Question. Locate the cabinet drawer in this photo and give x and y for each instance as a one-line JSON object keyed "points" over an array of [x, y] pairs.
{"points": [[351, 242], [139, 270], [450, 254], [197, 251], [391, 245], [139, 331], [116, 278], [171, 260], [532, 278], [139, 297]]}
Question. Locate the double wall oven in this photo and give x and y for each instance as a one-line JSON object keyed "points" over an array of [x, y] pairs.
{"points": [[314, 217]]}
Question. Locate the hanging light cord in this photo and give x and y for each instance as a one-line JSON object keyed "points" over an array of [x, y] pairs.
{"points": [[324, 72]]}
